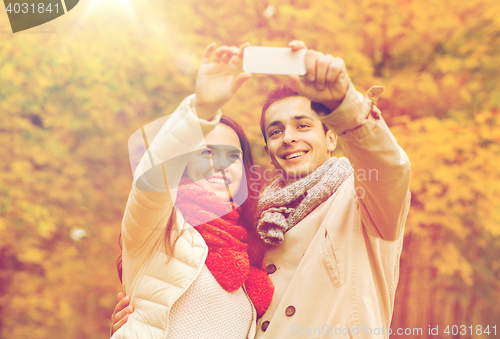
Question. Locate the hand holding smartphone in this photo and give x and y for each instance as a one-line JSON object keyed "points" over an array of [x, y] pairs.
{"points": [[274, 60], [327, 81]]}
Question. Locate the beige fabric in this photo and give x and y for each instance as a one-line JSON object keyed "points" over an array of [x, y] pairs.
{"points": [[339, 267], [275, 212], [206, 310], [152, 280]]}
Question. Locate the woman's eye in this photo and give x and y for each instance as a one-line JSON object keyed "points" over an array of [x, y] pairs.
{"points": [[235, 156], [207, 152]]}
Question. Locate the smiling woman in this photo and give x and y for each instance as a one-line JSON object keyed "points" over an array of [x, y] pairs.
{"points": [[190, 203], [218, 167]]}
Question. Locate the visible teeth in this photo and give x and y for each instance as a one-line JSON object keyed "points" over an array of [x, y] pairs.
{"points": [[294, 155], [219, 181]]}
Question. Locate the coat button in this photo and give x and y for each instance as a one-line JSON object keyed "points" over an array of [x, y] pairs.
{"points": [[270, 269], [290, 310], [264, 325]]}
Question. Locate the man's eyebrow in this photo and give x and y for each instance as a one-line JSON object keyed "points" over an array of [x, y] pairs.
{"points": [[300, 117], [274, 123]]}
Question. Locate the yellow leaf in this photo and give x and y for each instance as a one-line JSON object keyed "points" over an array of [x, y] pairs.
{"points": [[31, 255]]}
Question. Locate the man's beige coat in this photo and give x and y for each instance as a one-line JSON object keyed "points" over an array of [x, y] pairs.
{"points": [[335, 273]]}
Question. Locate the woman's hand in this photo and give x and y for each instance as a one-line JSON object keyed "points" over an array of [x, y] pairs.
{"points": [[121, 312], [219, 78]]}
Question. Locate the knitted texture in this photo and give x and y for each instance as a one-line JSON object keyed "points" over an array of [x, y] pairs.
{"points": [[283, 206], [206, 310], [218, 223]]}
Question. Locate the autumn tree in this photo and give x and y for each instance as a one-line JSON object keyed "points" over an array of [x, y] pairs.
{"points": [[70, 100]]}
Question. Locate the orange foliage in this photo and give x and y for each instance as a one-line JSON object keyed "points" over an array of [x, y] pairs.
{"points": [[70, 100]]}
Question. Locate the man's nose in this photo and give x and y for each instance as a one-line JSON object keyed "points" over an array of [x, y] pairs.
{"points": [[289, 136]]}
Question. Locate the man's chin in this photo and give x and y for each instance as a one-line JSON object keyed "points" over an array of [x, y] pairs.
{"points": [[296, 173]]}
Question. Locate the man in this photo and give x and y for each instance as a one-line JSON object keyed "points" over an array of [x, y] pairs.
{"points": [[335, 231]]}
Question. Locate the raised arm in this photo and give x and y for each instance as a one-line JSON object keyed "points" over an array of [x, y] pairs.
{"points": [[152, 197], [381, 167], [167, 141], [159, 171]]}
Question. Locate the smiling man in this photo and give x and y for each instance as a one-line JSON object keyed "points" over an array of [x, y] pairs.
{"points": [[334, 235], [296, 140]]}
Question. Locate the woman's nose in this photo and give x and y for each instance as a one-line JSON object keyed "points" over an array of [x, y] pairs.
{"points": [[221, 163]]}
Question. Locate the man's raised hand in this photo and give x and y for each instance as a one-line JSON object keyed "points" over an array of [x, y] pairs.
{"points": [[326, 80]]}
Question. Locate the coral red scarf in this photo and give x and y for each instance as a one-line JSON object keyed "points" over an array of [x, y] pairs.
{"points": [[218, 223]]}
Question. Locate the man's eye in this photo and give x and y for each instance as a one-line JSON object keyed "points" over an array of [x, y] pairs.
{"points": [[303, 125], [276, 131]]}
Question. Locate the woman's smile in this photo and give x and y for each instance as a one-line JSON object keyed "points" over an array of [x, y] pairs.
{"points": [[218, 165]]}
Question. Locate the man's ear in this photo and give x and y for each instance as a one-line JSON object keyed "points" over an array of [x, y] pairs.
{"points": [[267, 152], [331, 140]]}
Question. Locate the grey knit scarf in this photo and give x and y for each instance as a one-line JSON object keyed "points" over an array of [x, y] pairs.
{"points": [[282, 207]]}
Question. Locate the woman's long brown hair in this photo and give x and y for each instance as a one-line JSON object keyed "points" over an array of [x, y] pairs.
{"points": [[248, 208]]}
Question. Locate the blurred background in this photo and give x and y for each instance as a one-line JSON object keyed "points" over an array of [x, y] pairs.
{"points": [[74, 90]]}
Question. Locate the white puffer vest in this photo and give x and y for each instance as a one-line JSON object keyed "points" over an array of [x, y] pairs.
{"points": [[153, 280]]}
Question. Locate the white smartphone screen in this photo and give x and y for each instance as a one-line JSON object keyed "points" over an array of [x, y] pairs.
{"points": [[274, 60]]}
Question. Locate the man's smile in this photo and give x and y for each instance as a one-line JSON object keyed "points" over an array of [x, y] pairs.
{"points": [[293, 155]]}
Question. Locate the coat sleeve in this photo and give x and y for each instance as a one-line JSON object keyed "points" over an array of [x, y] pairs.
{"points": [[151, 200], [381, 167]]}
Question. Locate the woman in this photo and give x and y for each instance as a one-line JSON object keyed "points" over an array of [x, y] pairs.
{"points": [[194, 270]]}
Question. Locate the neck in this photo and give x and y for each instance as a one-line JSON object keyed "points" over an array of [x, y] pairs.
{"points": [[290, 178]]}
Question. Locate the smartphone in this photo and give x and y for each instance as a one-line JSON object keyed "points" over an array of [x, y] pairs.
{"points": [[274, 60]]}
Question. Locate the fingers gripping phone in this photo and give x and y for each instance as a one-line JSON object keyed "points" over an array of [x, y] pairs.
{"points": [[274, 60]]}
